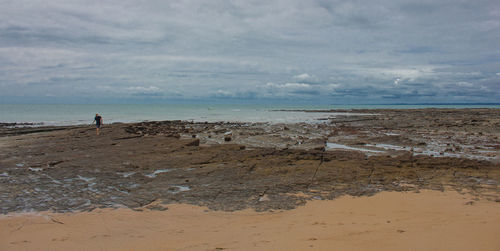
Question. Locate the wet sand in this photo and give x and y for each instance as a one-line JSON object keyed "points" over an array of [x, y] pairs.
{"points": [[429, 220]]}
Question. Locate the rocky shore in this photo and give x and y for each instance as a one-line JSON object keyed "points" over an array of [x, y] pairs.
{"points": [[233, 166]]}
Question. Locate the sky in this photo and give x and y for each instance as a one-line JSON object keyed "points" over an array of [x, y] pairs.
{"points": [[338, 52]]}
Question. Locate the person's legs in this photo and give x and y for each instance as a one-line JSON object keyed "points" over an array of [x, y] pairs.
{"points": [[97, 130]]}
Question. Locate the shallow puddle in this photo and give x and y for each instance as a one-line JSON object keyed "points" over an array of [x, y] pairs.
{"points": [[153, 175], [125, 175], [85, 178], [339, 146], [181, 189]]}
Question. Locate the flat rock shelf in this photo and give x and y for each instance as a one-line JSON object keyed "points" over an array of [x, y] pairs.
{"points": [[264, 166]]}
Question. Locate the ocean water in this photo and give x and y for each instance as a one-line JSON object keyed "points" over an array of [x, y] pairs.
{"points": [[73, 114]]}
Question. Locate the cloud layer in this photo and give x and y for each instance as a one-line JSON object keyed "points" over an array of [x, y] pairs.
{"points": [[330, 51]]}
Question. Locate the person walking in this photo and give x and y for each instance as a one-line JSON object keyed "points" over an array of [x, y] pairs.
{"points": [[98, 122]]}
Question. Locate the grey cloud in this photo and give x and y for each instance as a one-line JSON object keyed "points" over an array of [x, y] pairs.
{"points": [[143, 94], [419, 50], [192, 49], [246, 94]]}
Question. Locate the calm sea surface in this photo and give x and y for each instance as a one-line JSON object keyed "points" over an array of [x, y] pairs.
{"points": [[84, 114]]}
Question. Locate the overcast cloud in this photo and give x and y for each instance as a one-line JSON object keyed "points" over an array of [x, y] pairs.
{"points": [[373, 51]]}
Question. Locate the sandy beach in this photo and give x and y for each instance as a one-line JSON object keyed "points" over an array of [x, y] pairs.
{"points": [[429, 220], [377, 180]]}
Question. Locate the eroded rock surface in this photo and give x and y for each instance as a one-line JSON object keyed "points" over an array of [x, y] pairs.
{"points": [[264, 166]]}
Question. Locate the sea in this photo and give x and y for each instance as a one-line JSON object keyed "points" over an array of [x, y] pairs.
{"points": [[79, 114]]}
